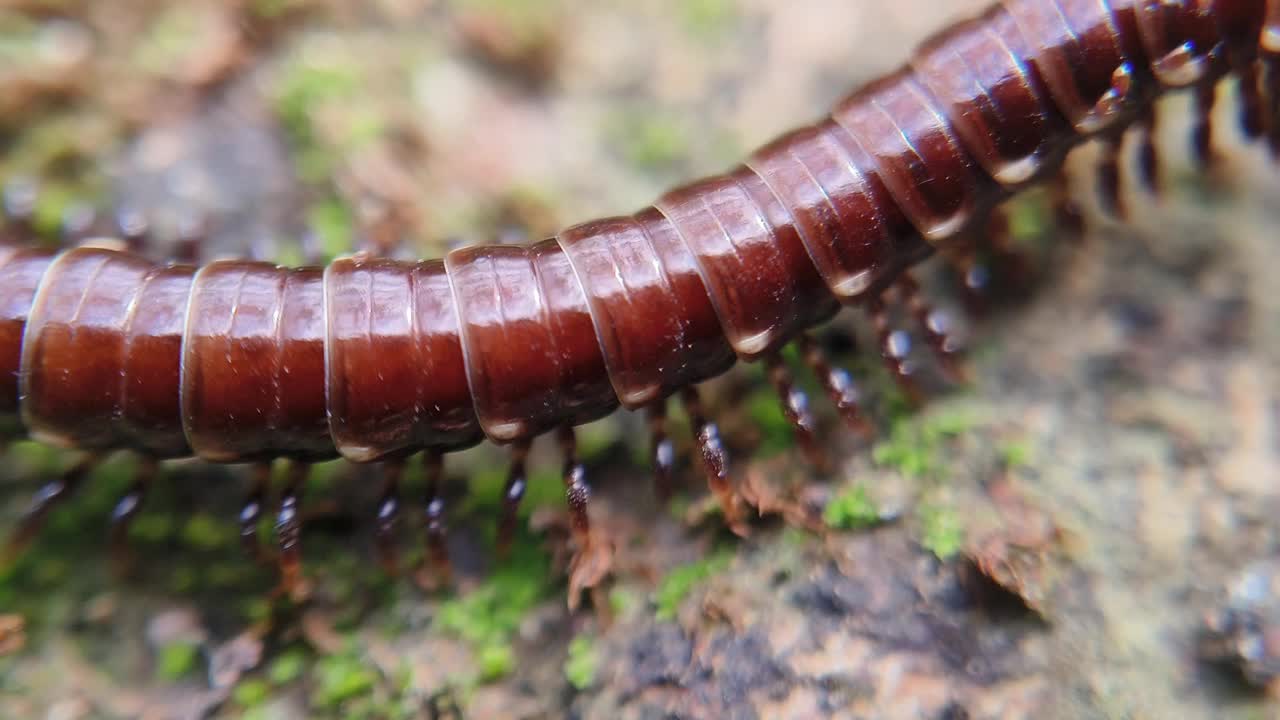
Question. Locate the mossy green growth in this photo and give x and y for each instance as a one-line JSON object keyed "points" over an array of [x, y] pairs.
{"points": [[775, 429], [1028, 216], [596, 438], [288, 667], [167, 41], [707, 19], [51, 208], [271, 9], [339, 678], [543, 488], [623, 601], [28, 457], [914, 445], [852, 509], [203, 531], [940, 531], [333, 225], [649, 141], [1016, 455], [488, 617], [152, 527], [251, 692], [307, 84], [496, 662], [678, 583], [176, 660], [583, 661]]}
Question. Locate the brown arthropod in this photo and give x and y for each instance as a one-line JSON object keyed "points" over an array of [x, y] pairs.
{"points": [[377, 359]]}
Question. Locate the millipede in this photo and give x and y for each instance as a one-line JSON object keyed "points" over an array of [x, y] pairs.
{"points": [[374, 359]]}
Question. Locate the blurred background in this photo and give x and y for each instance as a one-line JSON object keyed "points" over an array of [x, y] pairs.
{"points": [[1085, 529]]}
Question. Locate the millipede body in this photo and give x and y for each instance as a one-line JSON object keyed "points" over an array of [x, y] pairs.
{"points": [[374, 359]]}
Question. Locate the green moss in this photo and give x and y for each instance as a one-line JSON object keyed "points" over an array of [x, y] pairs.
{"points": [[19, 40], [228, 574], [583, 661], [176, 660], [306, 90], [766, 411], [339, 678], [51, 207], [288, 667], [595, 439], [154, 527], [488, 617], [257, 609], [649, 141], [914, 446], [29, 457], [271, 9], [203, 531], [793, 537], [168, 40], [678, 583], [249, 693], [707, 19], [182, 580], [333, 225], [544, 487], [304, 86], [622, 601], [1016, 455], [851, 510], [1028, 216], [940, 531], [496, 661]]}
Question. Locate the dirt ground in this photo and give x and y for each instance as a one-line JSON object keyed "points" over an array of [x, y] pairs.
{"points": [[1085, 528]]}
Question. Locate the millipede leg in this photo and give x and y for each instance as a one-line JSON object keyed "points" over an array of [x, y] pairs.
{"points": [[388, 515], [1202, 130], [994, 240], [936, 325], [433, 517], [838, 383], [795, 405], [1271, 68], [975, 277], [661, 451], [577, 492], [128, 506], [191, 236], [1066, 210], [251, 509], [134, 229], [1109, 174], [512, 494], [48, 497], [1148, 159], [289, 527], [895, 347], [715, 459], [591, 559], [1251, 109]]}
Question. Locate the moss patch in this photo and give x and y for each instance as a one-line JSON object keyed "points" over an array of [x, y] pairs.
{"points": [[678, 583], [489, 616], [177, 660], [851, 510], [915, 446], [583, 662], [340, 678], [940, 530]]}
